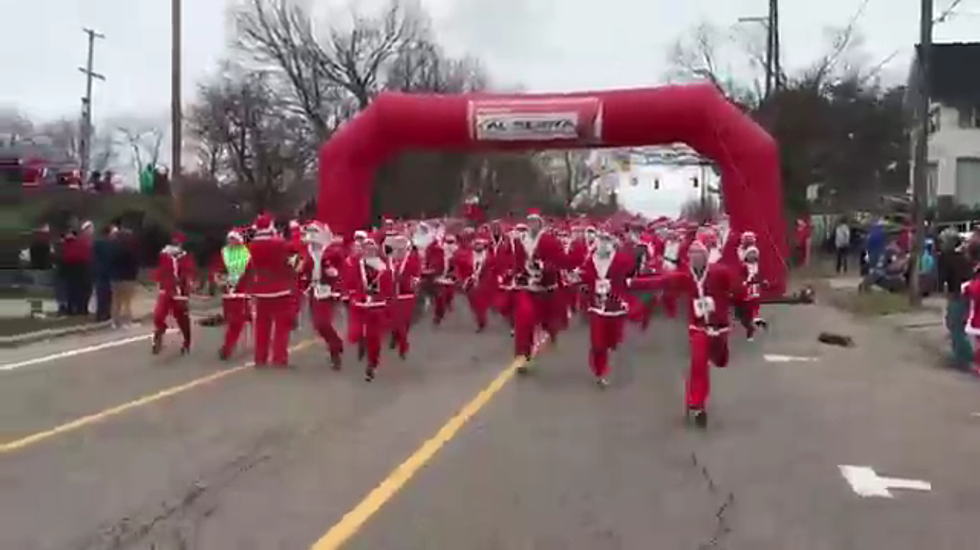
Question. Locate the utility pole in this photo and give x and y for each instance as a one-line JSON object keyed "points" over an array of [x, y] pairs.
{"points": [[772, 57], [920, 173], [85, 141], [774, 40], [176, 116]]}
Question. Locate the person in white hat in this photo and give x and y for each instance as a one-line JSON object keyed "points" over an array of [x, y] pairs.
{"points": [[406, 271], [321, 267], [371, 287]]}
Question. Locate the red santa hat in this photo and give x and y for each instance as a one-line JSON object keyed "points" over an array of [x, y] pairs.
{"points": [[235, 237], [697, 247], [178, 238], [361, 235], [534, 214]]}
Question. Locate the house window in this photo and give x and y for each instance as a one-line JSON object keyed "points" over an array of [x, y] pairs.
{"points": [[969, 117], [968, 181]]}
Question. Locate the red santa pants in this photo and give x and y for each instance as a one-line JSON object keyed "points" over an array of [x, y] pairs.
{"points": [[704, 348], [321, 310], [373, 322], [354, 328], [443, 300], [273, 320], [605, 333], [237, 313], [479, 299], [170, 306], [531, 310], [669, 300], [400, 319]]}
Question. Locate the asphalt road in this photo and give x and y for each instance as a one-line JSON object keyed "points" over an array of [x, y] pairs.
{"points": [[245, 459]]}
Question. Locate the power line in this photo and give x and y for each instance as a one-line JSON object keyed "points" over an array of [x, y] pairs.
{"points": [[947, 12]]}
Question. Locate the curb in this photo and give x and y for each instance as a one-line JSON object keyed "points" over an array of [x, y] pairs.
{"points": [[19, 340]]}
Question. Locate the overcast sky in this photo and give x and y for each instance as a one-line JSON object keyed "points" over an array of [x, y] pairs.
{"points": [[544, 45]]}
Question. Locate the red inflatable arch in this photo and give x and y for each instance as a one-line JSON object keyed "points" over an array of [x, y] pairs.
{"points": [[697, 115]]}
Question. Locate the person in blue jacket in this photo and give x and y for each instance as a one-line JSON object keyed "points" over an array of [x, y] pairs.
{"points": [[102, 264]]}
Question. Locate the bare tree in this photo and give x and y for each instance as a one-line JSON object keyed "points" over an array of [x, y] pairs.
{"points": [[247, 137], [424, 67], [144, 138], [15, 127], [328, 77], [706, 55]]}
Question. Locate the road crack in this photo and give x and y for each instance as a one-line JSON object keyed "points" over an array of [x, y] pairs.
{"points": [[176, 519], [722, 525]]}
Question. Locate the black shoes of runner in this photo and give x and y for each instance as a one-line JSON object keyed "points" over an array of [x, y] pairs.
{"points": [[699, 417]]}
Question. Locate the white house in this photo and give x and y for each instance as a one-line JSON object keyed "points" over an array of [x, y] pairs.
{"points": [[954, 115]]}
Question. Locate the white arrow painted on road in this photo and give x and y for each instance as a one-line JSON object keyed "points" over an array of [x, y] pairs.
{"points": [[787, 358], [867, 483]]}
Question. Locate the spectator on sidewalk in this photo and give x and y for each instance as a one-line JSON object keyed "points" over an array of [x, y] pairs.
{"points": [[41, 256], [71, 273], [927, 268], [102, 256], [86, 237], [125, 270], [842, 244]]}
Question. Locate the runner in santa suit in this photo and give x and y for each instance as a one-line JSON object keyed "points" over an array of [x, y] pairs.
{"points": [[754, 283], [711, 290], [746, 240], [576, 256], [604, 276], [671, 263], [371, 287], [538, 258], [406, 271], [296, 246], [175, 276], [354, 328], [271, 279], [320, 269], [422, 240], [226, 272], [479, 279], [502, 249], [438, 261]]}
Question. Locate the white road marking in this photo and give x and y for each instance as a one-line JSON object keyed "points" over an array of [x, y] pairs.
{"points": [[74, 352], [867, 483], [787, 358]]}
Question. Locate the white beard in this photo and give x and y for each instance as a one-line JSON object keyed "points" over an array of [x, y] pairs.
{"points": [[375, 262]]}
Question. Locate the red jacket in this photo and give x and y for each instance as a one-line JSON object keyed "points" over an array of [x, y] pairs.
{"points": [[270, 272], [536, 264], [752, 279], [605, 284], [708, 306], [332, 264], [405, 275], [175, 273], [369, 287]]}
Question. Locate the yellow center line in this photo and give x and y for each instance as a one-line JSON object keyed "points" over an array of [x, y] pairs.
{"points": [[352, 522], [112, 412]]}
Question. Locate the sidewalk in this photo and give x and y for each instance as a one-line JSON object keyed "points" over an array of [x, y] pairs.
{"points": [[926, 325], [143, 303]]}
